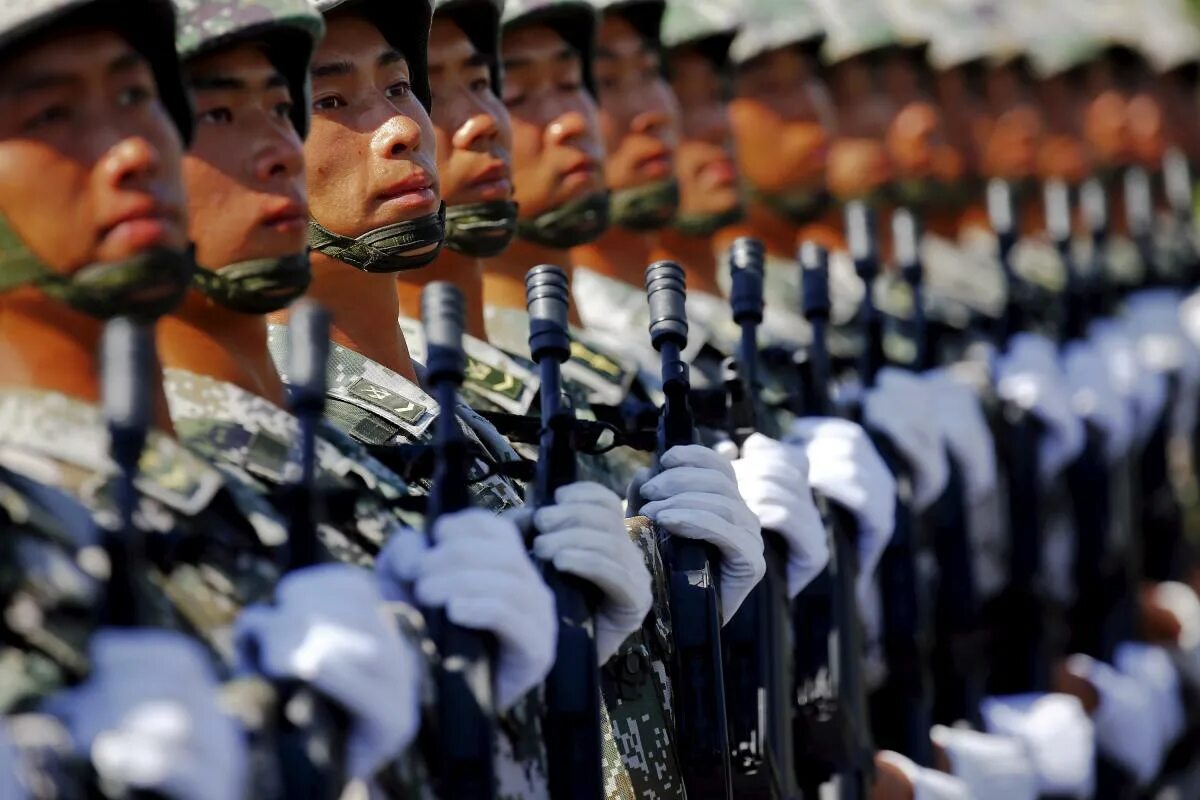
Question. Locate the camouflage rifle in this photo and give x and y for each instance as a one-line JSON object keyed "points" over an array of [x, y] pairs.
{"points": [[572, 718]]}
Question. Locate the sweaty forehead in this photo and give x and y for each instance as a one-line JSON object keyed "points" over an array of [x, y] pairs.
{"points": [[448, 44], [351, 36], [247, 62], [619, 39]]}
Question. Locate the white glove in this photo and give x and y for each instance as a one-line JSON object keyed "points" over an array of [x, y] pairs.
{"points": [[773, 479], [1128, 729], [10, 771], [583, 534], [1058, 737], [1095, 399], [928, 784], [955, 408], [899, 407], [1157, 319], [328, 628], [696, 497], [844, 466], [480, 573], [1028, 375], [1152, 668], [1143, 389], [995, 767], [149, 717]]}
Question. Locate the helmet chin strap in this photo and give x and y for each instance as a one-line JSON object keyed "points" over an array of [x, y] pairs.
{"points": [[705, 225], [577, 222], [258, 286], [481, 230], [392, 248], [798, 206], [142, 287], [646, 208]]}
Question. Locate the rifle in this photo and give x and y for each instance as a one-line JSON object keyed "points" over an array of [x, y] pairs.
{"points": [[460, 751], [572, 717], [758, 660], [899, 707], [1057, 200], [312, 730], [1139, 215], [1018, 661], [1177, 177], [954, 660], [845, 652], [700, 722], [127, 367]]}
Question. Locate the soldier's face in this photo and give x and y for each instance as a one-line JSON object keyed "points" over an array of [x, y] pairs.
{"points": [[639, 114], [474, 135], [859, 162], [1013, 135], [245, 170], [558, 155], [89, 158], [370, 155], [1061, 153], [704, 166], [782, 118]]}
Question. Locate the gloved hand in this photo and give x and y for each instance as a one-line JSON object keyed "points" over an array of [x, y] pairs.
{"points": [[10, 770], [994, 767], [1128, 727], [1142, 389], [1153, 669], [1058, 737], [956, 409], [844, 466], [584, 534], [695, 496], [1095, 399], [1028, 375], [481, 575], [899, 407], [148, 715], [773, 479], [928, 784], [328, 628]]}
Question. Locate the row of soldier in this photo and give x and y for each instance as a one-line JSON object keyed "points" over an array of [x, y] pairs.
{"points": [[951, 564]]}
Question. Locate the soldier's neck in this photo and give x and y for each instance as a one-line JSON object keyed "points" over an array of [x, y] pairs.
{"points": [[46, 346], [205, 338], [777, 234], [695, 254], [463, 271], [618, 254], [365, 310], [942, 222], [504, 275]]}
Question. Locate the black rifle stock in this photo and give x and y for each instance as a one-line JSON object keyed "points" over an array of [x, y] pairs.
{"points": [[856, 770], [127, 366], [460, 754], [312, 730], [572, 717], [758, 656], [700, 722]]}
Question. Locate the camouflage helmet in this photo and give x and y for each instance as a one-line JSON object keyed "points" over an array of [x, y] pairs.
{"points": [[1170, 35], [148, 25], [708, 25], [405, 25], [768, 25], [480, 21], [290, 29], [573, 20], [853, 28]]}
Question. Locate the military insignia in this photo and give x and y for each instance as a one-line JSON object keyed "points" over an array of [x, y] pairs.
{"points": [[397, 405]]}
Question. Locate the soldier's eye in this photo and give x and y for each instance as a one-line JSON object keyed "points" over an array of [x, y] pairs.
{"points": [[283, 110], [399, 89], [330, 103], [215, 116], [46, 117], [480, 85], [135, 95]]}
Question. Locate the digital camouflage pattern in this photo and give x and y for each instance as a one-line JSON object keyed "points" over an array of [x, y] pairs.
{"points": [[379, 407], [206, 25], [249, 434]]}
